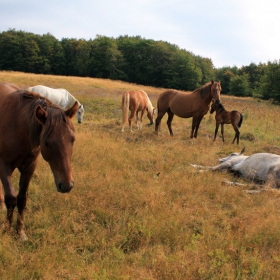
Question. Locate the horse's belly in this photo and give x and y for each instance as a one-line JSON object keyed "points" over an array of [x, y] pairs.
{"points": [[187, 112], [256, 167]]}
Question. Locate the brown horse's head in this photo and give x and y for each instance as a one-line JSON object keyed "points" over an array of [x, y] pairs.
{"points": [[216, 91], [56, 142]]}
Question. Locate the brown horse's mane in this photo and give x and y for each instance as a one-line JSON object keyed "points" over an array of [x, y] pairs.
{"points": [[56, 115], [204, 90], [221, 106]]}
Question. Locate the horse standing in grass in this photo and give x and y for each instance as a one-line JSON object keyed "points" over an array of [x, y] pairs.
{"points": [[61, 97], [225, 117], [187, 104], [30, 124], [137, 101]]}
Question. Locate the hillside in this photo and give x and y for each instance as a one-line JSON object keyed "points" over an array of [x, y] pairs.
{"points": [[138, 209]]}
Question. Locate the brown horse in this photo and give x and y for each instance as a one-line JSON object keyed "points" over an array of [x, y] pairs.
{"points": [[30, 124], [187, 104], [136, 101], [225, 117]]}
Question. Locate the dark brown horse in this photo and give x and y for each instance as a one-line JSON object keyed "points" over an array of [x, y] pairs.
{"points": [[137, 101], [30, 124], [226, 117], [187, 104]]}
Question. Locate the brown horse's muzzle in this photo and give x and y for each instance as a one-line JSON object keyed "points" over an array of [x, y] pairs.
{"points": [[65, 188]]}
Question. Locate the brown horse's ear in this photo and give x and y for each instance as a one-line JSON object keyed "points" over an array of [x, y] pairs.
{"points": [[41, 114], [71, 112], [212, 82]]}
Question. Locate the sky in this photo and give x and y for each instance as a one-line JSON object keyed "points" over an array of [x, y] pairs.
{"points": [[229, 32]]}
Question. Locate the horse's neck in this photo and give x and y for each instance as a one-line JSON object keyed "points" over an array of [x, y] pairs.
{"points": [[220, 110], [150, 105], [71, 100]]}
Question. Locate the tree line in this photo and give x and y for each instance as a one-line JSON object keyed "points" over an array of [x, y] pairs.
{"points": [[134, 60]]}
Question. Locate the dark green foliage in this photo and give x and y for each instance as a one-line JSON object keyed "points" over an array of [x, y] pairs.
{"points": [[134, 60], [131, 59], [239, 85]]}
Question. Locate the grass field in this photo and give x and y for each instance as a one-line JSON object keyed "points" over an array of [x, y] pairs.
{"points": [[138, 209]]}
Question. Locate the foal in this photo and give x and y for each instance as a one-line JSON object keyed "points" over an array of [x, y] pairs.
{"points": [[225, 117]]}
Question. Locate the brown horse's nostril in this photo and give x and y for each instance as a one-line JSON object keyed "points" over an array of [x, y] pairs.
{"points": [[63, 188]]}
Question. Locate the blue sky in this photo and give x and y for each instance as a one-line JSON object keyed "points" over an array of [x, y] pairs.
{"points": [[230, 32]]}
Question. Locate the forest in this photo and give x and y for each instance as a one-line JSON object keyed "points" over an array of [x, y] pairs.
{"points": [[134, 60]]}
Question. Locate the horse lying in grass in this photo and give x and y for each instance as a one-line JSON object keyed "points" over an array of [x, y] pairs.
{"points": [[61, 97], [226, 117], [137, 101], [260, 168]]}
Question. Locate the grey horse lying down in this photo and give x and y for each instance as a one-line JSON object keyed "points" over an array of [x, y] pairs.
{"points": [[260, 168]]}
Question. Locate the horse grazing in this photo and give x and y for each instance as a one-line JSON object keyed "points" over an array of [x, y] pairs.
{"points": [[261, 168], [225, 117], [187, 104], [136, 101], [30, 124], [61, 97]]}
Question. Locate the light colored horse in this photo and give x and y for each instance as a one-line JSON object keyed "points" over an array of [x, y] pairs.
{"points": [[136, 101], [61, 97], [261, 168]]}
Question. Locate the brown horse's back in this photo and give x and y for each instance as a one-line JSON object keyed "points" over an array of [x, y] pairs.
{"points": [[6, 88], [182, 104]]}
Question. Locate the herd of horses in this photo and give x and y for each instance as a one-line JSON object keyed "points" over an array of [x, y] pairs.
{"points": [[182, 104], [40, 120]]}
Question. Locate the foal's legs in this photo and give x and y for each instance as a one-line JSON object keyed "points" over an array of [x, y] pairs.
{"points": [[222, 131], [216, 130], [237, 133]]}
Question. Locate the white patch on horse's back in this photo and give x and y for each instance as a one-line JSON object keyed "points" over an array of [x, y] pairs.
{"points": [[59, 96]]}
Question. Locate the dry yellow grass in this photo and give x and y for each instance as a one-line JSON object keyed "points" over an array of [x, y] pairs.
{"points": [[139, 210]]}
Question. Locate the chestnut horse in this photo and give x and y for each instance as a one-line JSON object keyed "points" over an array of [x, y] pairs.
{"points": [[187, 104], [226, 117], [136, 101], [30, 124]]}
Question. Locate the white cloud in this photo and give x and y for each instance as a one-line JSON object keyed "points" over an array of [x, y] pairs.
{"points": [[234, 32]]}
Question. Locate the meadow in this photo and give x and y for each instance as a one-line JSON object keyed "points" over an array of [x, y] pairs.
{"points": [[138, 209]]}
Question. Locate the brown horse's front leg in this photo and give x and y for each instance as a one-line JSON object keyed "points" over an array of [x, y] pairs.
{"points": [[169, 121], [25, 177], [195, 125], [2, 200], [10, 197], [158, 121]]}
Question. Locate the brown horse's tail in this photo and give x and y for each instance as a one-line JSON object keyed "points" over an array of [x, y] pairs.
{"points": [[240, 121], [125, 108]]}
